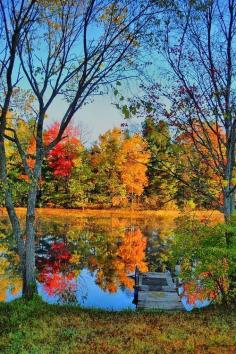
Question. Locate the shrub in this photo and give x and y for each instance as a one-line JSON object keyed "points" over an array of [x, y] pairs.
{"points": [[207, 257]]}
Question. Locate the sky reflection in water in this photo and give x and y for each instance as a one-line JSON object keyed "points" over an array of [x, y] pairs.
{"points": [[86, 261]]}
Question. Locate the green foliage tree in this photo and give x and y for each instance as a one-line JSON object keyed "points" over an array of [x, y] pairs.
{"points": [[105, 157], [72, 193], [207, 261], [162, 185]]}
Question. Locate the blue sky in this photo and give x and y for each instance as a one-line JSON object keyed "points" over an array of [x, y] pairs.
{"points": [[96, 117]]}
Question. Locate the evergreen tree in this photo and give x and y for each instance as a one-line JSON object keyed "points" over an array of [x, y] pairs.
{"points": [[162, 185]]}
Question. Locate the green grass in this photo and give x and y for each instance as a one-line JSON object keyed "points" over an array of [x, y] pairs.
{"points": [[36, 327]]}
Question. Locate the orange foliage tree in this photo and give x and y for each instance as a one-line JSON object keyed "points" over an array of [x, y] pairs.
{"points": [[134, 158], [120, 165]]}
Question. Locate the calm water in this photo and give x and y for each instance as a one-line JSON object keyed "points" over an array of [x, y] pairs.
{"points": [[86, 261]]}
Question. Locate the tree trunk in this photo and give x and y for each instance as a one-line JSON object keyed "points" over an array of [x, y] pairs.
{"points": [[227, 205], [232, 203], [228, 190], [29, 280]]}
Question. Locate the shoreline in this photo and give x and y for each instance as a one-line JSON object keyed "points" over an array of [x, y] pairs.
{"points": [[211, 214]]}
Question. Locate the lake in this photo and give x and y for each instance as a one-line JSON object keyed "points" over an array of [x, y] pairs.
{"points": [[86, 259]]}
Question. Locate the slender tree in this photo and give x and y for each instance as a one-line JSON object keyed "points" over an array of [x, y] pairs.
{"points": [[200, 50], [197, 95], [72, 49], [16, 18]]}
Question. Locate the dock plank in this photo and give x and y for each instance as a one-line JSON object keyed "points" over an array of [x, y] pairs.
{"points": [[159, 306], [156, 290]]}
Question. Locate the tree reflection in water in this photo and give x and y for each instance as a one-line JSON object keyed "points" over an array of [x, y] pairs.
{"points": [[108, 248], [10, 280], [55, 273], [110, 256]]}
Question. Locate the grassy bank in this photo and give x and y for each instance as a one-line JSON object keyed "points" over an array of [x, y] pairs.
{"points": [[213, 215], [40, 328]]}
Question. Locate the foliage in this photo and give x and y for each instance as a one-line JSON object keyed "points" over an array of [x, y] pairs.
{"points": [[121, 167], [207, 257], [197, 166], [133, 165], [104, 158], [61, 183], [161, 183], [65, 155]]}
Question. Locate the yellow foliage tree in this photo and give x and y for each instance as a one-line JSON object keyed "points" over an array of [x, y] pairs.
{"points": [[133, 165]]}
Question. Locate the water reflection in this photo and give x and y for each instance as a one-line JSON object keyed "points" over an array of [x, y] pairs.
{"points": [[55, 273], [87, 260], [10, 280]]}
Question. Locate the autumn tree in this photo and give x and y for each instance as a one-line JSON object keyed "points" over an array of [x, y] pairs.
{"points": [[198, 174], [62, 157], [80, 183], [133, 165], [194, 89], [120, 165], [104, 157], [17, 19], [198, 101], [68, 49], [199, 47], [61, 162]]}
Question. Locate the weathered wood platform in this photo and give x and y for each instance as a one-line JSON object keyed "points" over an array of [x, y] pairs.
{"points": [[156, 290]]}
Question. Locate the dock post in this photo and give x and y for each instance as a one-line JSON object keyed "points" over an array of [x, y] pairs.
{"points": [[136, 285]]}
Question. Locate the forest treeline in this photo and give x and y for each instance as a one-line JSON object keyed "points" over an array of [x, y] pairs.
{"points": [[146, 169]]}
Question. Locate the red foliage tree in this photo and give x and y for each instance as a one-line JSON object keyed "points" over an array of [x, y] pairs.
{"points": [[62, 157]]}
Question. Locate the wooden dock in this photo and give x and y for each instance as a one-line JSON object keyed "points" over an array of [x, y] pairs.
{"points": [[156, 290]]}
